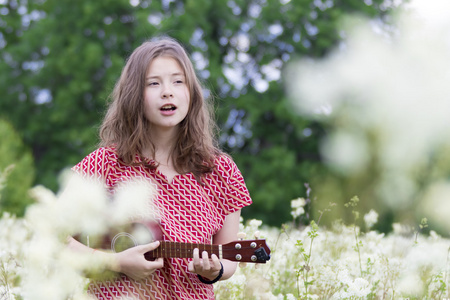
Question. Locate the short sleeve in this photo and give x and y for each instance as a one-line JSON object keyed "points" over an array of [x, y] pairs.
{"points": [[235, 193], [97, 165]]}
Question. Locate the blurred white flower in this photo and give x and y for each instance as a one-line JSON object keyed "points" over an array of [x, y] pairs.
{"points": [[434, 236], [255, 223], [52, 271], [297, 207], [251, 230], [388, 97], [82, 206], [437, 203], [345, 277], [290, 297], [371, 218], [410, 284], [345, 151], [49, 268], [133, 201], [360, 287], [355, 289], [299, 202], [433, 13], [401, 229], [42, 194]]}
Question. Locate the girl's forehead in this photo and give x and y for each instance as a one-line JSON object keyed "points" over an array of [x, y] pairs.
{"points": [[165, 64]]}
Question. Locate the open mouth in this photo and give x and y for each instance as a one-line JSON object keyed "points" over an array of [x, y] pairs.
{"points": [[168, 107]]}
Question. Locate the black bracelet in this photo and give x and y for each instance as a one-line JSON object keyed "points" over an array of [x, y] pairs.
{"points": [[215, 279]]}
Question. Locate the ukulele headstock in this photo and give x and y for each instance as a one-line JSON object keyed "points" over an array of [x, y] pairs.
{"points": [[252, 251]]}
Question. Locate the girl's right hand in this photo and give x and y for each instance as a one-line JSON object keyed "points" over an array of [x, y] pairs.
{"points": [[132, 262]]}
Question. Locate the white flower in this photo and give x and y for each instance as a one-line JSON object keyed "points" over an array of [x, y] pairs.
{"points": [[410, 284], [401, 229], [436, 202], [371, 218], [290, 297], [133, 200], [297, 207], [404, 110], [434, 235], [42, 194], [254, 223], [344, 277], [357, 288], [299, 202], [81, 207], [360, 287]]}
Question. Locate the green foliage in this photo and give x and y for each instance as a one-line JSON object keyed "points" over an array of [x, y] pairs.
{"points": [[353, 203], [60, 59], [304, 270], [17, 171], [423, 224]]}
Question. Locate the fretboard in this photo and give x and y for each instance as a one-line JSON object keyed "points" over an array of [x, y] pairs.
{"points": [[182, 250]]}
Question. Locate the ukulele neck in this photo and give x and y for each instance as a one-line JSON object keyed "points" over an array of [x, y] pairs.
{"points": [[182, 250]]}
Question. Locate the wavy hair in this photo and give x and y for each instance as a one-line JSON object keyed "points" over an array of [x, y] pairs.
{"points": [[126, 128]]}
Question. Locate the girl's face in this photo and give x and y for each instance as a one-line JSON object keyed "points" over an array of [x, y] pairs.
{"points": [[166, 94]]}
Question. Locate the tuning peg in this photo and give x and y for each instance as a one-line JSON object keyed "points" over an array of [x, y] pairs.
{"points": [[257, 234], [241, 235], [242, 264]]}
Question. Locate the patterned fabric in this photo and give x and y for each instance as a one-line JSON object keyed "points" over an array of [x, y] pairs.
{"points": [[189, 212]]}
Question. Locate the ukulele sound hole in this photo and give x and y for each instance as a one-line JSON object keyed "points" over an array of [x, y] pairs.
{"points": [[122, 241], [138, 234]]}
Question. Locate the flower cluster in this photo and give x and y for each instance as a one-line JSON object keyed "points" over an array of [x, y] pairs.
{"points": [[297, 207], [383, 96], [309, 262], [393, 266], [35, 262], [371, 218]]}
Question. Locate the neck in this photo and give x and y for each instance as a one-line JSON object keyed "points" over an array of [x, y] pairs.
{"points": [[164, 141]]}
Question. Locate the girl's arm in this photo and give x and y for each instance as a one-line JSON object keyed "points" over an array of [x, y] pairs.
{"points": [[209, 268], [227, 234], [130, 262]]}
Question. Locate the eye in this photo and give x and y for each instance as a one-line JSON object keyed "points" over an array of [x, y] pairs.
{"points": [[153, 83], [179, 81]]}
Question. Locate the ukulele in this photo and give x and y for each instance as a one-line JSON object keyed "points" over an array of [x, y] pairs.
{"points": [[134, 234]]}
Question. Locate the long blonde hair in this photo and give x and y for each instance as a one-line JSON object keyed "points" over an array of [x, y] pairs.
{"points": [[126, 128]]}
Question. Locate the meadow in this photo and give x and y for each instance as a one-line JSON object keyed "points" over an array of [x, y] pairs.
{"points": [[307, 262], [383, 95]]}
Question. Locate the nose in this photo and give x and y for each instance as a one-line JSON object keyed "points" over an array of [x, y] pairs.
{"points": [[167, 92]]}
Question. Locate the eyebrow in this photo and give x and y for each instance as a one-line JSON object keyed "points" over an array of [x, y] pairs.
{"points": [[173, 74]]}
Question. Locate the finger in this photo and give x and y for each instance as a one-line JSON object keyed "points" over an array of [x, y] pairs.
{"points": [[191, 267], [158, 263], [205, 259], [152, 266], [152, 246], [148, 247], [197, 262], [216, 262], [195, 254]]}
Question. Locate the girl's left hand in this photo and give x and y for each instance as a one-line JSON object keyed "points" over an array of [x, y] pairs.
{"points": [[208, 268]]}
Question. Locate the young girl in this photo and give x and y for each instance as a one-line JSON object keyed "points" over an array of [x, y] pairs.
{"points": [[158, 127]]}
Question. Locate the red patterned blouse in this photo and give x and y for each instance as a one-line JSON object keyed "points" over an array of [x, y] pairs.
{"points": [[189, 212]]}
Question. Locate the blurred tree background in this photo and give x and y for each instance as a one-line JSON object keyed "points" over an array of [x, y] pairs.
{"points": [[59, 60]]}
